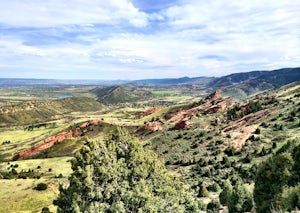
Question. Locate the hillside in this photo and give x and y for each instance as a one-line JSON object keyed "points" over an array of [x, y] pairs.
{"points": [[113, 95], [228, 142], [29, 112]]}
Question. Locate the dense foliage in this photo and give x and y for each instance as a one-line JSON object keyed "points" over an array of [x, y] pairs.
{"points": [[277, 185], [119, 175], [237, 198]]}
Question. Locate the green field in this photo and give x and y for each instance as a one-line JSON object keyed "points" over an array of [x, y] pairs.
{"points": [[18, 195]]}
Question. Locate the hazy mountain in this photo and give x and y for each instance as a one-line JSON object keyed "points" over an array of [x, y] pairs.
{"points": [[174, 81]]}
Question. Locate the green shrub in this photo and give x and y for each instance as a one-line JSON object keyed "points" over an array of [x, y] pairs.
{"points": [[45, 210], [214, 187], [41, 187], [213, 206], [257, 131], [202, 190]]}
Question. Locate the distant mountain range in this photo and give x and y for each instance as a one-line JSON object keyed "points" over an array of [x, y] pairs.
{"points": [[175, 81], [53, 82], [238, 84], [276, 78]]}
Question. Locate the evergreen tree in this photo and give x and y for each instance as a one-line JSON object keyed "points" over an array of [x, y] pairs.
{"points": [[119, 175], [202, 190], [240, 199], [237, 198], [226, 193], [272, 175]]}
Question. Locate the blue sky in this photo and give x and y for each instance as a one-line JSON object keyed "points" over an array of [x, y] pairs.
{"points": [[123, 39]]}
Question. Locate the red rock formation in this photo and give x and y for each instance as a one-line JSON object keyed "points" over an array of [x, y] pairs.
{"points": [[51, 141], [247, 120], [152, 126], [212, 104], [214, 96]]}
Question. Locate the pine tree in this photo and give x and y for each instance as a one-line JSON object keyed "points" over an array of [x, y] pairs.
{"points": [[120, 175], [272, 175]]}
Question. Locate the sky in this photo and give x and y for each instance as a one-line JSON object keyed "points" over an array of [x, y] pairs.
{"points": [[139, 39]]}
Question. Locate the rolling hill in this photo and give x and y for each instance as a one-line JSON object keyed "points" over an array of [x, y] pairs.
{"points": [[113, 95], [29, 112]]}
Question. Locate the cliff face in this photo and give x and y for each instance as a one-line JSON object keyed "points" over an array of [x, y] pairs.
{"points": [[51, 141]]}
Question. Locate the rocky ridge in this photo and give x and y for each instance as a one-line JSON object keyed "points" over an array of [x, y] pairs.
{"points": [[58, 138]]}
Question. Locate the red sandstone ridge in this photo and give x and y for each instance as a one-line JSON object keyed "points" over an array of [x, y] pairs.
{"points": [[214, 96], [148, 112], [248, 120], [152, 126], [51, 141], [213, 103]]}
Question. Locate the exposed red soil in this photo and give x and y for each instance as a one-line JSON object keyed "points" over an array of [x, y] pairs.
{"points": [[51, 141]]}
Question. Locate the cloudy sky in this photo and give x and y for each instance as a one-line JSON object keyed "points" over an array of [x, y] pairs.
{"points": [[136, 39]]}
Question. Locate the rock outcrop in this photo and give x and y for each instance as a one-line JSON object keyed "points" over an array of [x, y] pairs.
{"points": [[51, 141], [247, 120], [213, 103], [214, 96], [151, 126]]}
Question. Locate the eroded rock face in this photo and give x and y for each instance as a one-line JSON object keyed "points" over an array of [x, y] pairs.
{"points": [[51, 141], [152, 126]]}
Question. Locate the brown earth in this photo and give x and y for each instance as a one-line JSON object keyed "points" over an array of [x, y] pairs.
{"points": [[240, 136], [241, 129]]}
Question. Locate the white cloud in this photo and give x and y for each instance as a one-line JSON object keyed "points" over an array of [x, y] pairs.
{"points": [[36, 13], [193, 38]]}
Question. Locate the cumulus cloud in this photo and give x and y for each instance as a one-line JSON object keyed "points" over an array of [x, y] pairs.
{"points": [[36, 13], [135, 39]]}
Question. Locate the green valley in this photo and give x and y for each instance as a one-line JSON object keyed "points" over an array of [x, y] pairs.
{"points": [[186, 145]]}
